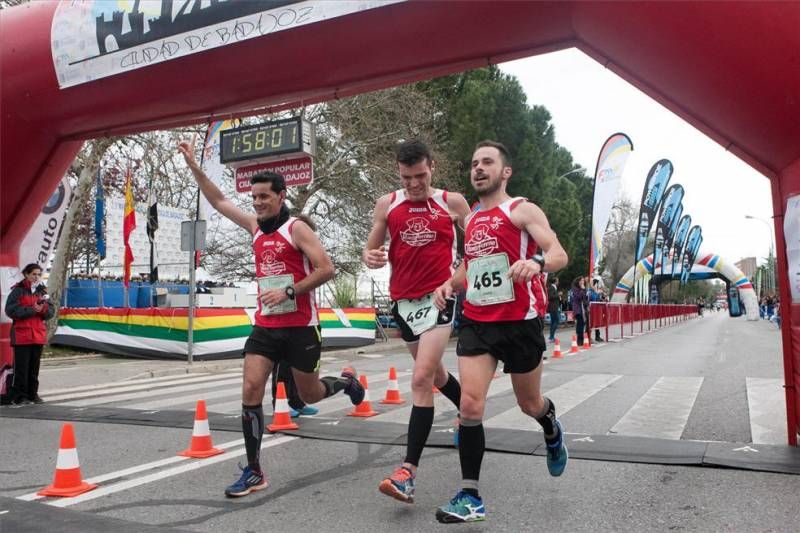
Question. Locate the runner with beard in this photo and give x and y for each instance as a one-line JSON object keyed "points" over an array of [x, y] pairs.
{"points": [[500, 319], [290, 263]]}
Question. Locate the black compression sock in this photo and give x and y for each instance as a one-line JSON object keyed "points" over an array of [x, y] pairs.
{"points": [[419, 427], [333, 384], [473, 492], [472, 443], [452, 390], [253, 429], [548, 420]]}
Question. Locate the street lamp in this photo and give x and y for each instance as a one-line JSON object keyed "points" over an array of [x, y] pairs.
{"points": [[771, 273]]}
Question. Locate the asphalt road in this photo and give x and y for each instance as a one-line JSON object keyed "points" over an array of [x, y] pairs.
{"points": [[722, 365]]}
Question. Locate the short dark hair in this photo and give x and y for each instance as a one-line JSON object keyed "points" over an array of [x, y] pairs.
{"points": [[412, 152], [30, 267], [276, 181], [504, 153]]}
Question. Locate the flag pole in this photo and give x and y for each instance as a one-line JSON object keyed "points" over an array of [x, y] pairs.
{"points": [[193, 265]]}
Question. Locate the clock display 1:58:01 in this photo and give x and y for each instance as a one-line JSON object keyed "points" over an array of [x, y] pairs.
{"points": [[260, 141]]}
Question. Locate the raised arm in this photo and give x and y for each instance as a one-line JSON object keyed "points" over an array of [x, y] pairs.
{"points": [[374, 254], [212, 193]]}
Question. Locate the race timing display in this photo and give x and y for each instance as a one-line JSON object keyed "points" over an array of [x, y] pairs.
{"points": [[284, 138]]}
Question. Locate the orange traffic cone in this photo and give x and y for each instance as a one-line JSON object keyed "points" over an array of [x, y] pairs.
{"points": [[574, 348], [67, 481], [586, 343], [281, 418], [201, 445], [364, 409], [557, 350], [393, 391]]}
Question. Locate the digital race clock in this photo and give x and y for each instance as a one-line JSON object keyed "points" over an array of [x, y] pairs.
{"points": [[263, 142]]}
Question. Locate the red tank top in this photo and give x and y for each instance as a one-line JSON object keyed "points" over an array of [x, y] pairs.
{"points": [[422, 244], [491, 232], [276, 255]]}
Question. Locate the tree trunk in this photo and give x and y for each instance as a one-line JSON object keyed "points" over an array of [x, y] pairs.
{"points": [[86, 180]]}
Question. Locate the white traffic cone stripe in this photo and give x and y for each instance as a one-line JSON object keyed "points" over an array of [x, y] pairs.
{"points": [[393, 385], [281, 405], [67, 459], [366, 395], [201, 428]]}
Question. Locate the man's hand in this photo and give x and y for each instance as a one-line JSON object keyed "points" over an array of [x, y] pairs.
{"points": [[271, 297], [523, 270], [442, 294], [376, 258], [186, 148]]}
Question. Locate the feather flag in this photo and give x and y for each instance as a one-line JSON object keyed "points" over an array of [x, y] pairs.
{"points": [[128, 225], [100, 217], [607, 180], [152, 227]]}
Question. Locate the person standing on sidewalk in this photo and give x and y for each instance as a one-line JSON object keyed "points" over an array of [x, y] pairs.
{"points": [[420, 222], [553, 307], [29, 307], [579, 303], [290, 264], [501, 322]]}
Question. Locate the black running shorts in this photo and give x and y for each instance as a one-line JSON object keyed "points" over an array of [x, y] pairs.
{"points": [[445, 318], [299, 346], [519, 344]]}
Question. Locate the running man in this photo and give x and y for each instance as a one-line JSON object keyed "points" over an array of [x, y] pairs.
{"points": [[420, 222], [290, 264], [500, 319]]}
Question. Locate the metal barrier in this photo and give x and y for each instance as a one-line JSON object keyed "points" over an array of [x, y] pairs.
{"points": [[622, 319]]}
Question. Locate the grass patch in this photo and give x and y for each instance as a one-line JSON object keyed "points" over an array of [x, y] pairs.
{"points": [[54, 352]]}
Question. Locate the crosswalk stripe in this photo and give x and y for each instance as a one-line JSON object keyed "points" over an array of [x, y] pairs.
{"points": [[121, 383], [440, 402], [149, 393], [565, 397], [661, 412], [767, 403], [129, 388], [189, 399]]}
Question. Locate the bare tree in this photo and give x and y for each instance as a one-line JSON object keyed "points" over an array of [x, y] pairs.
{"points": [[619, 241]]}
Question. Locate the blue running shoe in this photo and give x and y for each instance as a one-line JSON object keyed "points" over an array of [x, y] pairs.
{"points": [[400, 485], [308, 410], [293, 413], [250, 481], [464, 507], [557, 454], [353, 387]]}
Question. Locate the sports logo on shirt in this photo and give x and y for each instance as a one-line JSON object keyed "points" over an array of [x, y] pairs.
{"points": [[480, 242], [417, 232], [270, 266]]}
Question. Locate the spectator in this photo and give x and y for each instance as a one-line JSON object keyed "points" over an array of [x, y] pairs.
{"points": [[27, 305], [579, 303], [553, 307]]}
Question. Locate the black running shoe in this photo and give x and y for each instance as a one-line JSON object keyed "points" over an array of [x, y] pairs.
{"points": [[353, 387]]}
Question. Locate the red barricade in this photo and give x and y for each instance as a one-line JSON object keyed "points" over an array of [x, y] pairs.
{"points": [[603, 315]]}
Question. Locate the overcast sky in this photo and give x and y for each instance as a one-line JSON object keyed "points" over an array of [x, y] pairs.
{"points": [[588, 103]]}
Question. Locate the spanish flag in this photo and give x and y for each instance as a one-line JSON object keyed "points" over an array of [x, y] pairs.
{"points": [[128, 225]]}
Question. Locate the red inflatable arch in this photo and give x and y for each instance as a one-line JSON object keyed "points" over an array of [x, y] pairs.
{"points": [[730, 69]]}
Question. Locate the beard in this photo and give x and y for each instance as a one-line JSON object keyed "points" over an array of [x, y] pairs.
{"points": [[489, 189]]}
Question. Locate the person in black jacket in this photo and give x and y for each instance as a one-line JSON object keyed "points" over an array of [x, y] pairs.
{"points": [[553, 307], [28, 306]]}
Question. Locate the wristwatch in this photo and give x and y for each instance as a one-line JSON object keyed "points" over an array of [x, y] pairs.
{"points": [[289, 292], [539, 259]]}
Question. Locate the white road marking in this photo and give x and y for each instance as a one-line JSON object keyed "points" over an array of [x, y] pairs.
{"points": [[120, 383], [150, 393], [767, 402], [125, 387], [136, 469], [661, 412], [565, 397]]}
